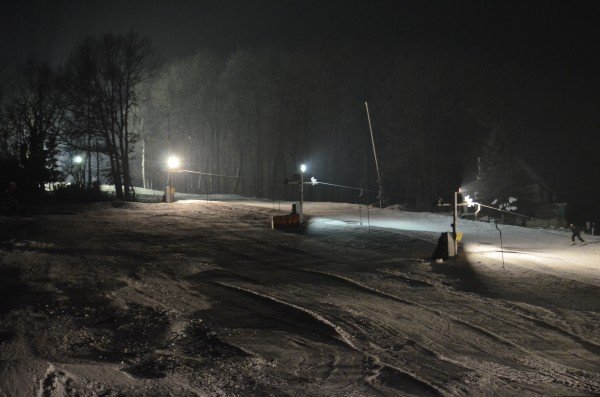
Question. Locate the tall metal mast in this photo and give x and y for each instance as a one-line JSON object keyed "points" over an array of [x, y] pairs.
{"points": [[375, 155]]}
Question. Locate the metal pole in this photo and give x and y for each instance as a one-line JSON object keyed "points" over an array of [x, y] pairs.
{"points": [[375, 155], [168, 192], [454, 217], [501, 244], [477, 221], [301, 195]]}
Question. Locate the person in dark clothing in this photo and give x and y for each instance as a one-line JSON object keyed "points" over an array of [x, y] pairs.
{"points": [[576, 233]]}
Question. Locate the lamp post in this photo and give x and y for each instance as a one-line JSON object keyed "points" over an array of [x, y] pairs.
{"points": [[454, 218], [172, 164], [78, 161], [302, 170]]}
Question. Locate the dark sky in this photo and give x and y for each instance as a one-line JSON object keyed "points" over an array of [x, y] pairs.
{"points": [[547, 29], [555, 44]]}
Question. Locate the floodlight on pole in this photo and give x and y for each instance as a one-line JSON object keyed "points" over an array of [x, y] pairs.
{"points": [[302, 171], [454, 219], [173, 162], [78, 170]]}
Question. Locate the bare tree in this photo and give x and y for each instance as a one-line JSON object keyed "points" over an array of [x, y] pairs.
{"points": [[33, 121], [110, 71]]}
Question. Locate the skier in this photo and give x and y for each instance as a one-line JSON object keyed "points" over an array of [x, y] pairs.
{"points": [[576, 232]]}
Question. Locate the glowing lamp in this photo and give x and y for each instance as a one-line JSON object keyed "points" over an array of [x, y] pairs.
{"points": [[172, 162], [470, 202], [303, 168], [77, 159]]}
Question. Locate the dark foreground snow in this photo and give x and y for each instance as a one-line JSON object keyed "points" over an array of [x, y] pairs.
{"points": [[202, 298]]}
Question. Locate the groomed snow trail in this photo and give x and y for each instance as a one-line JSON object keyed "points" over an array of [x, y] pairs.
{"points": [[203, 298]]}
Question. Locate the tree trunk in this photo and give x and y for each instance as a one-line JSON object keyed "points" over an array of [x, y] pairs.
{"points": [[89, 161], [125, 167], [116, 169], [144, 182], [98, 165]]}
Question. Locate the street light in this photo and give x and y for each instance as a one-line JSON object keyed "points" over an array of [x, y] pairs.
{"points": [[78, 172], [172, 164], [302, 170]]}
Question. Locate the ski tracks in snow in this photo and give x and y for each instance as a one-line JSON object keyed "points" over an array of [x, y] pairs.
{"points": [[556, 371], [330, 314], [492, 358], [419, 385]]}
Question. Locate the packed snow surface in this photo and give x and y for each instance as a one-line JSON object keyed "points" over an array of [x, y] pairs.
{"points": [[200, 298]]}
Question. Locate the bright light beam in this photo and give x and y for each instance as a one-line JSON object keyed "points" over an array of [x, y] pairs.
{"points": [[173, 162], [470, 202]]}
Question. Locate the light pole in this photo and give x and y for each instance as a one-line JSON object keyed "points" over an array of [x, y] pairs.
{"points": [[172, 164], [78, 160], [302, 170], [454, 218]]}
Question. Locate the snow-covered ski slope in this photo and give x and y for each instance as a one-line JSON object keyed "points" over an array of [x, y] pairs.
{"points": [[204, 298], [520, 251], [543, 250]]}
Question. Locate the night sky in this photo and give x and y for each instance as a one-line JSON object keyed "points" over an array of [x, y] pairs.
{"points": [[553, 46]]}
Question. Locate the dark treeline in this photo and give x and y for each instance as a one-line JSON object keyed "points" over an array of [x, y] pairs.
{"points": [[56, 123], [33, 112], [258, 113], [252, 116]]}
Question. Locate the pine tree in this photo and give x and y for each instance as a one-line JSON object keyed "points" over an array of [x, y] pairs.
{"points": [[498, 168]]}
